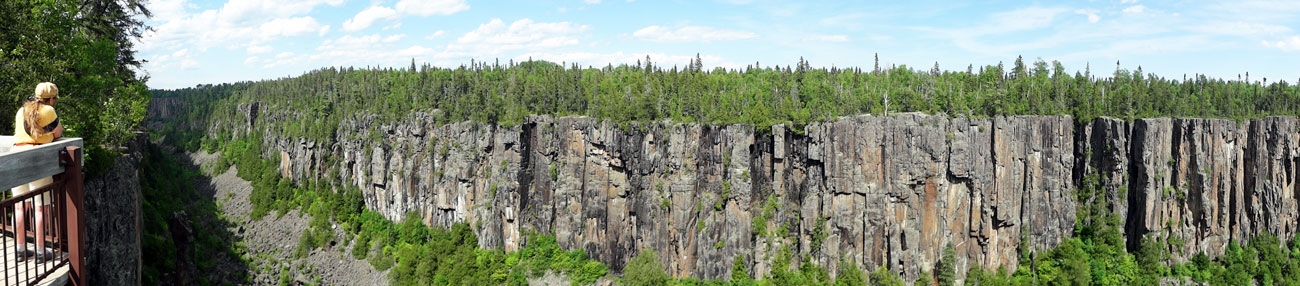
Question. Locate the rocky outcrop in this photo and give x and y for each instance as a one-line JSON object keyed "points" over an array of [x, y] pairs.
{"points": [[878, 190], [1102, 163], [113, 219], [1202, 183]]}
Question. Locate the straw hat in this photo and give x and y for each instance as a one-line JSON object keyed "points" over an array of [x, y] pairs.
{"points": [[46, 90]]}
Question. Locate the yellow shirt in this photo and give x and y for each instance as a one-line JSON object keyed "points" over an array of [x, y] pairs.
{"points": [[46, 117]]}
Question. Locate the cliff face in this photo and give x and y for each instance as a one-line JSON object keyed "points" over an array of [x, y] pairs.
{"points": [[113, 219], [1201, 183], [892, 190]]}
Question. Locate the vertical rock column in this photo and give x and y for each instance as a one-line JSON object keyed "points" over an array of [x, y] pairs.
{"points": [[1102, 163], [1272, 155], [985, 240], [1034, 159], [1190, 200]]}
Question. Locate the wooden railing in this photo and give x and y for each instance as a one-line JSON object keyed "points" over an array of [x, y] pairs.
{"points": [[60, 203]]}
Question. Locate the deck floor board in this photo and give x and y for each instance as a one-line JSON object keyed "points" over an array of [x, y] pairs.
{"points": [[18, 273]]}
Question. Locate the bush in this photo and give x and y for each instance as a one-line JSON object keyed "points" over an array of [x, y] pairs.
{"points": [[849, 274], [645, 270], [884, 277], [738, 273], [306, 243]]}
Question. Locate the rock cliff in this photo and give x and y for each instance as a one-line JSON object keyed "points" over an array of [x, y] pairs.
{"points": [[879, 190], [114, 219]]}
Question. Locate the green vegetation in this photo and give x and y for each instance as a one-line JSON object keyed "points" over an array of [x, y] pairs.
{"points": [[739, 275], [86, 48], [1097, 255], [926, 278], [438, 256], [760, 221], [415, 253], [850, 275], [645, 270], [503, 93], [819, 233], [946, 270], [883, 277], [169, 197]]}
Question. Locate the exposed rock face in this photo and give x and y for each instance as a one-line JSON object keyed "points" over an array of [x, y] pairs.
{"points": [[892, 190], [1271, 189], [1102, 162], [113, 220], [1201, 183]]}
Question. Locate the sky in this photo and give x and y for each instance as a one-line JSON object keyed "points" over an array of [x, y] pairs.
{"points": [[214, 41]]}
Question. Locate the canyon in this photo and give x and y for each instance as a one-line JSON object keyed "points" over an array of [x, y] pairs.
{"points": [[889, 190]]}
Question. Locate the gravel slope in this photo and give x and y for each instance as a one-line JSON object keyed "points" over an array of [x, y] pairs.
{"points": [[272, 240]]}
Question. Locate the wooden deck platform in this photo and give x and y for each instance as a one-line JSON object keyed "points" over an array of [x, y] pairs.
{"points": [[16, 273]]}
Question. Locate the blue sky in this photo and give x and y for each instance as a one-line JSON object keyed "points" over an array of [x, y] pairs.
{"points": [[197, 42]]}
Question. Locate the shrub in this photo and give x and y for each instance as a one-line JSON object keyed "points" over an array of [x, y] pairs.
{"points": [[884, 277], [849, 274], [645, 270]]}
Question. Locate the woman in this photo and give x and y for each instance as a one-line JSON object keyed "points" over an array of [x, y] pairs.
{"points": [[35, 124]]}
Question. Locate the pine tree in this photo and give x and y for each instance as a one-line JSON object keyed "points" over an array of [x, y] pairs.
{"points": [[946, 270]]}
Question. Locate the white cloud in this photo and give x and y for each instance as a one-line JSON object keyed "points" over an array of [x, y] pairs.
{"points": [[414, 51], [1141, 47], [189, 63], [367, 17], [852, 20], [973, 39], [167, 10], [827, 38], [251, 60], [1135, 9], [585, 59], [1022, 19], [1091, 13], [439, 33], [244, 11], [738, 2], [690, 34], [1128, 1], [178, 35], [290, 27], [496, 37], [431, 7], [1241, 29], [1287, 44], [255, 49], [367, 50], [394, 38], [349, 41]]}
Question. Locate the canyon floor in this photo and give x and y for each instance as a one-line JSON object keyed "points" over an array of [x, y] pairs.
{"points": [[272, 240]]}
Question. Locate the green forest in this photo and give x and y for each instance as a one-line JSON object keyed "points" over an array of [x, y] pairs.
{"points": [[504, 93], [86, 48]]}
